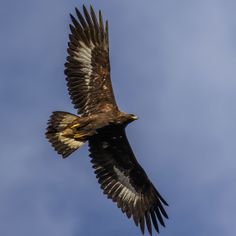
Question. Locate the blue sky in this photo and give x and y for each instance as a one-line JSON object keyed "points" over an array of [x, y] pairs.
{"points": [[173, 64]]}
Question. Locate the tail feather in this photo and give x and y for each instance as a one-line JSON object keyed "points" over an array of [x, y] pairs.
{"points": [[57, 125]]}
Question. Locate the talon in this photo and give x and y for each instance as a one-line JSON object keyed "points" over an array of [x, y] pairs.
{"points": [[79, 136], [75, 126]]}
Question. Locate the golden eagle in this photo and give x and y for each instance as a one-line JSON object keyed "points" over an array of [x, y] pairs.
{"points": [[102, 124]]}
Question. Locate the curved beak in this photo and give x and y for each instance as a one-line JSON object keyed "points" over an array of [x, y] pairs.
{"points": [[134, 117]]}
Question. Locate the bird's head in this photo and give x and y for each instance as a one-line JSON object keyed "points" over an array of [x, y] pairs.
{"points": [[125, 118], [133, 117], [130, 118]]}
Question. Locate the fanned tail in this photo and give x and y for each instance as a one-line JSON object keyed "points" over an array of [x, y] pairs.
{"points": [[58, 133]]}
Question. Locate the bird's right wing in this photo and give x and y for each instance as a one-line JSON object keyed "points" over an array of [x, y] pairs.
{"points": [[124, 180], [88, 67]]}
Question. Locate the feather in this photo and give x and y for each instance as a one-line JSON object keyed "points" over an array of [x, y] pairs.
{"points": [[148, 222], [101, 26], [95, 24], [141, 224], [154, 221]]}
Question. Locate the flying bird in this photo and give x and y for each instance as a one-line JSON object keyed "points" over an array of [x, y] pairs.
{"points": [[100, 123]]}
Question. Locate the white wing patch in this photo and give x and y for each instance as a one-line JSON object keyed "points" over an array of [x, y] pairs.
{"points": [[84, 56], [128, 192]]}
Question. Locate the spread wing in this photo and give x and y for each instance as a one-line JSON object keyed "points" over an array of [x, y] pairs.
{"points": [[87, 67], [123, 179]]}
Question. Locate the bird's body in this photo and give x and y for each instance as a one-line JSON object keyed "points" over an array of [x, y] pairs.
{"points": [[100, 123]]}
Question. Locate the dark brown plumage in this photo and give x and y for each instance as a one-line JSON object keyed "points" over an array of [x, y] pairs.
{"points": [[88, 67], [102, 124]]}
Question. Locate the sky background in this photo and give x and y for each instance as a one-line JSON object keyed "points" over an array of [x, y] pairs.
{"points": [[173, 64]]}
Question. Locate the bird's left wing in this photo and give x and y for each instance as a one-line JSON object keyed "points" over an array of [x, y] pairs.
{"points": [[123, 179], [88, 66]]}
